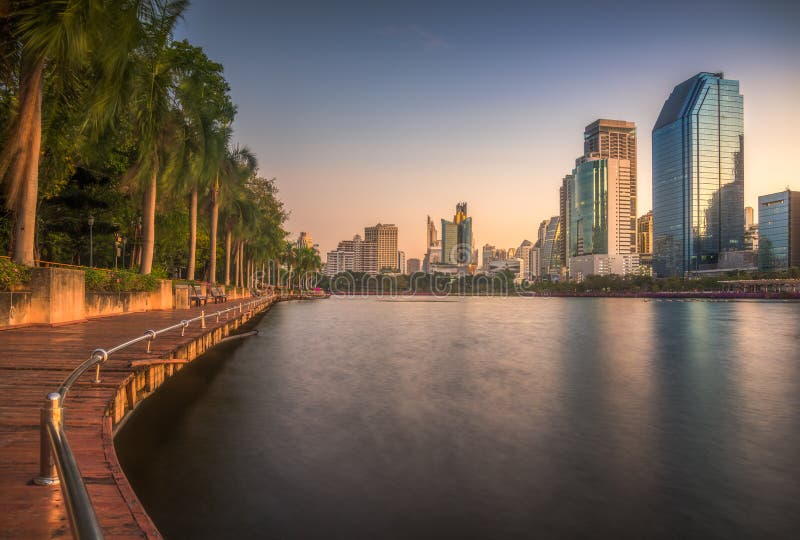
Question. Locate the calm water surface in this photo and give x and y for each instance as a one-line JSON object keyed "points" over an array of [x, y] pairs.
{"points": [[482, 418]]}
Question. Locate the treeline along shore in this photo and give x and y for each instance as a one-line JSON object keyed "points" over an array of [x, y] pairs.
{"points": [[765, 285]]}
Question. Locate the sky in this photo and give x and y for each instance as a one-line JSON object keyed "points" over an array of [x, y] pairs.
{"points": [[389, 111]]}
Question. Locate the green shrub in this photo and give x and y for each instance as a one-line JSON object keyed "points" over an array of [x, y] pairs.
{"points": [[119, 281], [12, 274]]}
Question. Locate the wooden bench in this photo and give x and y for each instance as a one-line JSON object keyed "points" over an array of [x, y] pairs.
{"points": [[196, 295], [218, 295]]}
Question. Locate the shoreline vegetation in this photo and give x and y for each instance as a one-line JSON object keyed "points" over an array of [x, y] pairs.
{"points": [[773, 285], [117, 151]]}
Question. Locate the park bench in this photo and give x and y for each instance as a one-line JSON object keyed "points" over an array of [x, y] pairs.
{"points": [[196, 295], [218, 295]]}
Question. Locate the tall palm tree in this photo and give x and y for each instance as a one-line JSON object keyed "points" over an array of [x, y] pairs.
{"points": [[204, 101], [151, 100], [53, 41], [239, 164]]}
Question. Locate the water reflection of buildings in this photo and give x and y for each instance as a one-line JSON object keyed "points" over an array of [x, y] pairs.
{"points": [[698, 175]]}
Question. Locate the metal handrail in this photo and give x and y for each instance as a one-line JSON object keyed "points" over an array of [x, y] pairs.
{"points": [[57, 464]]}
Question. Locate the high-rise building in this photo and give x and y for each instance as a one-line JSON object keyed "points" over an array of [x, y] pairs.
{"points": [[305, 240], [431, 236], [748, 217], [779, 230], [601, 221], [401, 262], [550, 247], [698, 175], [413, 266], [644, 233], [457, 238], [563, 196], [354, 255], [385, 238], [487, 256]]}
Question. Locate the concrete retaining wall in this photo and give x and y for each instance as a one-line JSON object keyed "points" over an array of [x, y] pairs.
{"points": [[58, 295], [15, 308]]}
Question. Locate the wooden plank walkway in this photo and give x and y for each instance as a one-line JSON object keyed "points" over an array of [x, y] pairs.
{"points": [[33, 362]]}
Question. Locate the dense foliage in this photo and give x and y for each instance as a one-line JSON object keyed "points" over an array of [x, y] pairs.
{"points": [[119, 281], [103, 114], [12, 274]]}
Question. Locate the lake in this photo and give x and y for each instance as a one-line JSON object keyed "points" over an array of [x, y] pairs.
{"points": [[481, 418]]}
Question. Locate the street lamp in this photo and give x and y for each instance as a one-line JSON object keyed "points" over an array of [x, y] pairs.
{"points": [[91, 241]]}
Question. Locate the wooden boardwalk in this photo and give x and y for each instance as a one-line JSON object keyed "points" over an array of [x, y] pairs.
{"points": [[33, 362]]}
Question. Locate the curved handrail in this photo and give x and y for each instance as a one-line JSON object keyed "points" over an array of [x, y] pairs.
{"points": [[57, 464]]}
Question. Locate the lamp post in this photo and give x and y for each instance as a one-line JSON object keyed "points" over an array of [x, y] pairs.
{"points": [[91, 241], [117, 249]]}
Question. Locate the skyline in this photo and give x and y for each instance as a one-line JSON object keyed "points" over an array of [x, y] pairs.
{"points": [[398, 112]]}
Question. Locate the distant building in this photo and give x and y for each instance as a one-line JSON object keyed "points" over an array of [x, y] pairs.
{"points": [[550, 249], [535, 262], [305, 240], [431, 237], [644, 234], [385, 238], [748, 217], [354, 255], [563, 196], [779, 230], [413, 266], [601, 218], [457, 238], [616, 139], [603, 264], [401, 262], [698, 175], [523, 253]]}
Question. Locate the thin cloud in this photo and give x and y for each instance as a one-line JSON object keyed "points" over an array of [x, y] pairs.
{"points": [[415, 34]]}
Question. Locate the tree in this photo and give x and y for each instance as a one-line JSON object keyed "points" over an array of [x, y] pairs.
{"points": [[202, 95], [51, 43]]}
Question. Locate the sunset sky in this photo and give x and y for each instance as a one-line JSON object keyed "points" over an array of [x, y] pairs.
{"points": [[386, 112]]}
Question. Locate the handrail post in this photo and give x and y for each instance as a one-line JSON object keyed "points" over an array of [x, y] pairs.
{"points": [[152, 337], [183, 329], [51, 413], [203, 319]]}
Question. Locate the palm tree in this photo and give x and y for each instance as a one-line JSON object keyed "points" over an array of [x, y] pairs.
{"points": [[238, 166], [203, 97], [53, 41], [151, 99]]}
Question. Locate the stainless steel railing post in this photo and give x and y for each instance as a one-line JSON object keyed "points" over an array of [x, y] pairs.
{"points": [[203, 319], [152, 334], [51, 413]]}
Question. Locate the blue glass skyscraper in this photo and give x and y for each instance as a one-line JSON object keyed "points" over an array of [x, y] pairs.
{"points": [[698, 175]]}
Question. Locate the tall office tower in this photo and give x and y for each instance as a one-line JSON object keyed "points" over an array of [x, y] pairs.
{"points": [[779, 230], [748, 217], [644, 234], [305, 240], [401, 262], [698, 175], [385, 238], [563, 196], [488, 255], [413, 266], [600, 214], [550, 247], [432, 236], [457, 237]]}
